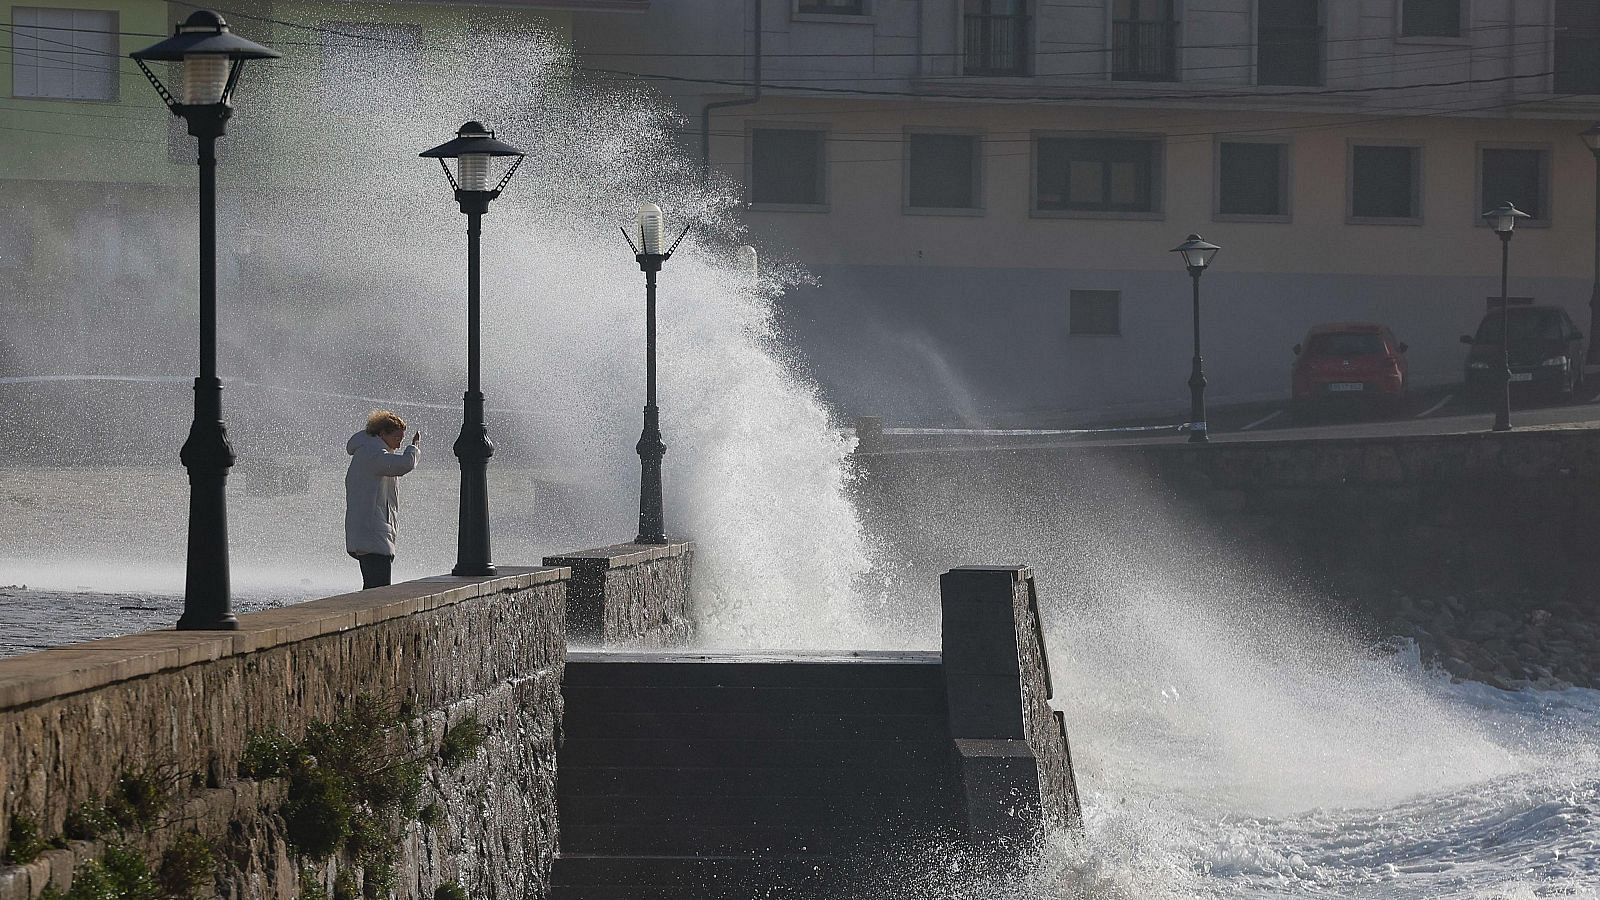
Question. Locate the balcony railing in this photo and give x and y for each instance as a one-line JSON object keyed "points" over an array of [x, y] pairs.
{"points": [[1578, 61], [996, 45], [1144, 51]]}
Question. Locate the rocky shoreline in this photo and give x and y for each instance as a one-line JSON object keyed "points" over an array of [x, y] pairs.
{"points": [[1508, 642]]}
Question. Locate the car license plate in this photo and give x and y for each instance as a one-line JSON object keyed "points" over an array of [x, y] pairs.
{"points": [[1521, 376], [1347, 386]]}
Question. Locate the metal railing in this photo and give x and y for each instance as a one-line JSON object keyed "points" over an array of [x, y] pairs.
{"points": [[996, 45], [1144, 51]]}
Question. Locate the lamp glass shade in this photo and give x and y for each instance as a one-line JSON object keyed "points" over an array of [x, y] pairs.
{"points": [[650, 229], [1591, 138], [1503, 218], [205, 77], [1196, 252], [472, 171], [749, 263]]}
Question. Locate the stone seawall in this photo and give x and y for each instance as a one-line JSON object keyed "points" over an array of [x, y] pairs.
{"points": [[379, 743], [1480, 546]]}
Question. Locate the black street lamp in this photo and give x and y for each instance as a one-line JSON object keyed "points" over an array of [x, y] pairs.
{"points": [[1504, 220], [472, 149], [1196, 256], [1591, 139], [212, 57], [651, 252]]}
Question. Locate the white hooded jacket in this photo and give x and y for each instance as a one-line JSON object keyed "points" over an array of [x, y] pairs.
{"points": [[371, 501]]}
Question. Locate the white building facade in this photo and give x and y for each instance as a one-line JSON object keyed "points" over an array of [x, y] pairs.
{"points": [[987, 190]]}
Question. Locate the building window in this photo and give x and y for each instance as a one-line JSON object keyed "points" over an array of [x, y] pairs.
{"points": [[64, 54], [1252, 179], [1096, 174], [831, 7], [942, 171], [371, 65], [1577, 47], [996, 37], [1520, 175], [786, 166], [1289, 42], [1430, 18], [1144, 41], [1094, 312], [1384, 183]]}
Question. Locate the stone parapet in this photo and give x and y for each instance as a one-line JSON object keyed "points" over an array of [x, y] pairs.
{"points": [[1011, 746], [184, 705], [629, 595]]}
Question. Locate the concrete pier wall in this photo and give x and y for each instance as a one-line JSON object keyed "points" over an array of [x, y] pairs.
{"points": [[1481, 546]]}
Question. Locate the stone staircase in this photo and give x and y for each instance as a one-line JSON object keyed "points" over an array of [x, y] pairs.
{"points": [[721, 776]]}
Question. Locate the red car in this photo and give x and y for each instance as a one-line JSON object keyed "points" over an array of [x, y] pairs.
{"points": [[1349, 361]]}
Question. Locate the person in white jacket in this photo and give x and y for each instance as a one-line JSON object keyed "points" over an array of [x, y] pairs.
{"points": [[371, 500]]}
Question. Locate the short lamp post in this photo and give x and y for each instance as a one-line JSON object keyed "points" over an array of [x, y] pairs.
{"points": [[211, 57], [1197, 255], [473, 148], [1591, 139], [651, 252], [1503, 219]]}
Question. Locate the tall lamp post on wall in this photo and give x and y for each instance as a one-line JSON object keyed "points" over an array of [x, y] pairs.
{"points": [[1503, 219], [1591, 139], [472, 149], [651, 252], [1197, 255], [211, 57]]}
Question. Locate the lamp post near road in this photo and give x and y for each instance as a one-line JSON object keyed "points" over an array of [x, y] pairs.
{"points": [[1591, 139], [472, 149], [1504, 220], [651, 252], [212, 57], [1197, 255]]}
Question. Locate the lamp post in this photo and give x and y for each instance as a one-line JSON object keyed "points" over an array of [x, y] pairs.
{"points": [[1591, 139], [472, 149], [212, 57], [651, 252], [1503, 219], [1197, 255]]}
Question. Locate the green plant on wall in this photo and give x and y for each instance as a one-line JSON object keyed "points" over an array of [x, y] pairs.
{"points": [[354, 783], [88, 821], [450, 890], [23, 842], [462, 741], [188, 866], [140, 797]]}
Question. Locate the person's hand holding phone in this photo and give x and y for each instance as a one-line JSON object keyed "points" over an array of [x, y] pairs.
{"points": [[416, 437]]}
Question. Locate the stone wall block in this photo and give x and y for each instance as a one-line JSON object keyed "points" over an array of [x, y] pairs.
{"points": [[634, 595], [14, 883], [997, 693]]}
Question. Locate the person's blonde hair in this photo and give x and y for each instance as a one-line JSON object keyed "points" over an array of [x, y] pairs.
{"points": [[381, 420]]}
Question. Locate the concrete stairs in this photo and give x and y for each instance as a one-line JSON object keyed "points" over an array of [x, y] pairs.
{"points": [[710, 776]]}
